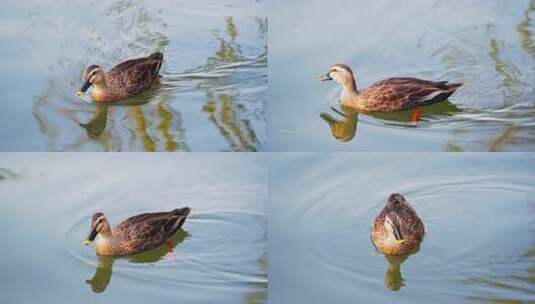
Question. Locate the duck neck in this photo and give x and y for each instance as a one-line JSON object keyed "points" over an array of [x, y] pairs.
{"points": [[100, 89], [349, 92], [105, 233], [104, 243], [351, 85]]}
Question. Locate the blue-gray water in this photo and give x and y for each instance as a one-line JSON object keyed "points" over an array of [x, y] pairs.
{"points": [[48, 199], [478, 210], [487, 45], [214, 75]]}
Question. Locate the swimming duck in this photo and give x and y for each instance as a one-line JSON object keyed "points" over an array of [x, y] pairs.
{"points": [[389, 95], [397, 230], [136, 234], [125, 79]]}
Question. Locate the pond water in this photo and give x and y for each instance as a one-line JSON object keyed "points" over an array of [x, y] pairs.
{"points": [[487, 45], [478, 211], [220, 256], [214, 75]]}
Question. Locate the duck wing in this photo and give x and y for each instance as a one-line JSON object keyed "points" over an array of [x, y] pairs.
{"points": [[149, 230], [121, 67], [411, 225], [402, 93], [133, 76], [410, 81], [136, 78]]}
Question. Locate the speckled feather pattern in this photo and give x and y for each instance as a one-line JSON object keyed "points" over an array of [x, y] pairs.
{"points": [[130, 78], [142, 232], [411, 226], [402, 93]]}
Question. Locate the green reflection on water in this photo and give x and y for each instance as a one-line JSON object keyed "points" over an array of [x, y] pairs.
{"points": [[222, 109], [102, 277], [259, 296], [345, 129], [517, 283]]}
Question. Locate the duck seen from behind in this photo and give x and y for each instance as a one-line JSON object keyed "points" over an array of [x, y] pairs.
{"points": [[125, 79], [389, 95], [136, 234], [397, 230]]}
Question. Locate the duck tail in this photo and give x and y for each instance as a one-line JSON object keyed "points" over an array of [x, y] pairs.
{"points": [[181, 215], [182, 211], [157, 56], [454, 86]]}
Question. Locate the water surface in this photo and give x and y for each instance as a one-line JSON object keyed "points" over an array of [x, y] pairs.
{"points": [[478, 211], [487, 45], [48, 199], [214, 75]]}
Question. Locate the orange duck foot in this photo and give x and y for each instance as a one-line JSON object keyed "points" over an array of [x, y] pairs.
{"points": [[169, 246], [416, 116]]}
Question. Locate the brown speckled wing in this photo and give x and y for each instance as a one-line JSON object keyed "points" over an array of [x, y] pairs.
{"points": [[411, 82], [412, 225], [378, 228], [123, 66], [140, 218], [147, 231], [138, 77], [403, 93]]}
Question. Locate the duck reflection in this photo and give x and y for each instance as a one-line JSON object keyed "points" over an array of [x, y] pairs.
{"points": [[393, 275], [102, 277], [345, 129], [96, 126]]}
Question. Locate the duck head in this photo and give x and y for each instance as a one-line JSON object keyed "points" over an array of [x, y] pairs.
{"points": [[99, 225], [340, 73], [93, 75], [395, 205]]}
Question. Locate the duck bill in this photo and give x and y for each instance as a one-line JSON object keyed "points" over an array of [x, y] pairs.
{"points": [[84, 88], [91, 237], [325, 77]]}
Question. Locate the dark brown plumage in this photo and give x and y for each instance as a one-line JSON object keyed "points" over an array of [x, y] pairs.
{"points": [[136, 234], [397, 230], [125, 79]]}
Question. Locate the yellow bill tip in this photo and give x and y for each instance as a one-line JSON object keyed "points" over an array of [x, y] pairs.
{"points": [[87, 242], [400, 241], [79, 93]]}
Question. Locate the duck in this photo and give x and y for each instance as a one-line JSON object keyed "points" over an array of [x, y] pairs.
{"points": [[388, 95], [124, 80], [136, 234], [397, 230]]}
